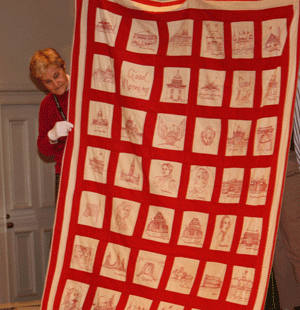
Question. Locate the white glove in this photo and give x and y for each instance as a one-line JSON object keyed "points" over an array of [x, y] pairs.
{"points": [[60, 129]]}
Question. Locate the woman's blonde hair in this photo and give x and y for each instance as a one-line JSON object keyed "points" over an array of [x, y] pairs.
{"points": [[42, 60]]}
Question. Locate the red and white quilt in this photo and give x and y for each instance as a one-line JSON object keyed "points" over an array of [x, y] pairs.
{"points": [[173, 175]]}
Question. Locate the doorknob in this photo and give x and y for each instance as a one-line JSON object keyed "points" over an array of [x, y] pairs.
{"points": [[9, 225]]}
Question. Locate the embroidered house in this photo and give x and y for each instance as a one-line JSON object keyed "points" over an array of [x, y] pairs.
{"points": [[106, 75], [181, 39], [176, 88], [238, 142], [214, 41], [210, 91], [144, 39], [258, 187], [251, 239], [242, 41], [100, 123], [97, 165], [131, 176], [181, 276], [240, 289], [211, 282], [193, 233], [158, 227], [232, 188], [105, 26], [130, 130]]}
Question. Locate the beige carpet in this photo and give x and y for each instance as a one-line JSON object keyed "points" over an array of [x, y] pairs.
{"points": [[27, 305]]}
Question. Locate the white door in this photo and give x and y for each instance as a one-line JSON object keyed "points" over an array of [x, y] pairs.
{"points": [[27, 200]]}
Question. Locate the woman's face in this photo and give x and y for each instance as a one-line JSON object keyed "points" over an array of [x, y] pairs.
{"points": [[225, 224], [166, 170], [55, 80], [124, 212], [201, 179]]}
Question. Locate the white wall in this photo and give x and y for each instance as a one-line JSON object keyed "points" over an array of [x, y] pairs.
{"points": [[28, 25]]}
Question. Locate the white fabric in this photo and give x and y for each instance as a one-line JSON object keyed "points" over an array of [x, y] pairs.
{"points": [[60, 129]]}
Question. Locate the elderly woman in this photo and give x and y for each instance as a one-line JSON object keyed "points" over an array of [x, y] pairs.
{"points": [[48, 69]]}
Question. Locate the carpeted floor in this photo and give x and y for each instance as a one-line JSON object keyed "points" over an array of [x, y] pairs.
{"points": [[27, 305]]}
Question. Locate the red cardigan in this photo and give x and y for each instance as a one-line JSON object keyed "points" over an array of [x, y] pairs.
{"points": [[48, 116]]}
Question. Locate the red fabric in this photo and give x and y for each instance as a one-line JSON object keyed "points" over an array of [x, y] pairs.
{"points": [[48, 116], [173, 175]]}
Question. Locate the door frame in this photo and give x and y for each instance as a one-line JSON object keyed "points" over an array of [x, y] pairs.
{"points": [[4, 283]]}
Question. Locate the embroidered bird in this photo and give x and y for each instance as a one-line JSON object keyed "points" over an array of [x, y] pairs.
{"points": [[173, 134]]}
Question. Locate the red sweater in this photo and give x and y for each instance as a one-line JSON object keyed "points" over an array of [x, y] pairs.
{"points": [[48, 116]]}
